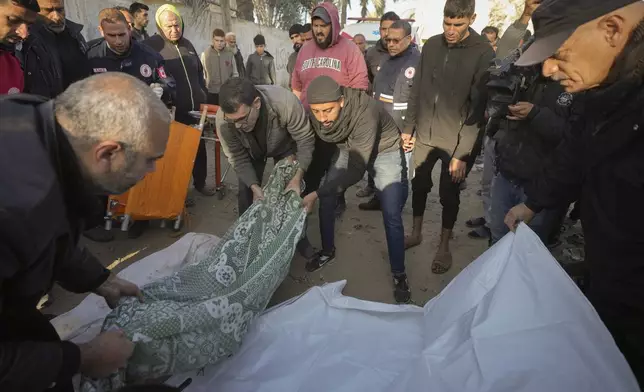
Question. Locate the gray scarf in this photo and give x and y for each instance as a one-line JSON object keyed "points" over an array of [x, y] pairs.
{"points": [[355, 104]]}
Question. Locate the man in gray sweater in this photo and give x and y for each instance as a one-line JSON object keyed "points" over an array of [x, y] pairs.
{"points": [[218, 65], [260, 122]]}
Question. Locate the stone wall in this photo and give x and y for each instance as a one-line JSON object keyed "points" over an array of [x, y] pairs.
{"points": [[198, 29]]}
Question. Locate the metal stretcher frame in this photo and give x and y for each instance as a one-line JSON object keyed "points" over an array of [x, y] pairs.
{"points": [[220, 187]]}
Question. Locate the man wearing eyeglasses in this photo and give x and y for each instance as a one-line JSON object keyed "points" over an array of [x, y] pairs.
{"points": [[393, 82], [260, 122]]}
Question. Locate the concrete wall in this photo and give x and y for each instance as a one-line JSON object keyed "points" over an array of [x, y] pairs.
{"points": [[198, 29]]}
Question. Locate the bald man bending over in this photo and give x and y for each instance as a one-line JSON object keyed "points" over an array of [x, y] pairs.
{"points": [[102, 135]]}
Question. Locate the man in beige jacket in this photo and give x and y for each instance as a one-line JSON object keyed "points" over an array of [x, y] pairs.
{"points": [[218, 65]]}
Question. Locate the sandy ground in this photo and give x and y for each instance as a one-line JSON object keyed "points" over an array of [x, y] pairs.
{"points": [[361, 256]]}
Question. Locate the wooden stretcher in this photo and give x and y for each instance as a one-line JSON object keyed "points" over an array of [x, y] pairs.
{"points": [[161, 194]]}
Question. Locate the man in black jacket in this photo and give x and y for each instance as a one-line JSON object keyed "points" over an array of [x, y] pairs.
{"points": [[117, 51], [534, 127], [445, 108], [183, 63], [43, 72], [393, 82], [374, 58], [64, 40], [139, 12], [379, 53], [598, 45], [295, 34], [103, 134], [364, 138]]}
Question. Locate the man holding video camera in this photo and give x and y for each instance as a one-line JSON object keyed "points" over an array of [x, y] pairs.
{"points": [[526, 133]]}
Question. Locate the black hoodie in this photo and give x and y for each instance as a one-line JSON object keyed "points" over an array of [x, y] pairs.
{"points": [[447, 100], [183, 63]]}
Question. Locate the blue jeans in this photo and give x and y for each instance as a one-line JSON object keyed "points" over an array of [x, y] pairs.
{"points": [[389, 172], [505, 195]]}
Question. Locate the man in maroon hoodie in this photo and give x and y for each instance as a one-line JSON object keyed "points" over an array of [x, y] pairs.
{"points": [[334, 56], [14, 18], [328, 54]]}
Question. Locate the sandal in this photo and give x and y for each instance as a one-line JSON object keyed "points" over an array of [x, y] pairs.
{"points": [[442, 262], [411, 241]]}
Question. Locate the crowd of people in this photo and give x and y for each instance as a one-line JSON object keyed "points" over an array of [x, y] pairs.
{"points": [[555, 116]]}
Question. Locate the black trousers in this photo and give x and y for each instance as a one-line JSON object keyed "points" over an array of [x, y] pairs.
{"points": [[98, 215], [29, 324], [424, 159], [245, 196], [319, 164]]}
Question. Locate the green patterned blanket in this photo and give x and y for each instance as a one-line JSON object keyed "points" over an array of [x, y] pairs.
{"points": [[199, 315]]}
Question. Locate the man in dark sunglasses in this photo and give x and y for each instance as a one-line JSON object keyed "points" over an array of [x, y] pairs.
{"points": [[260, 122]]}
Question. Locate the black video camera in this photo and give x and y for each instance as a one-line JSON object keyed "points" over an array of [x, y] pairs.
{"points": [[506, 84]]}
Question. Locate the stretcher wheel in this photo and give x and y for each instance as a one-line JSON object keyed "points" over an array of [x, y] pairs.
{"points": [[221, 193], [178, 224]]}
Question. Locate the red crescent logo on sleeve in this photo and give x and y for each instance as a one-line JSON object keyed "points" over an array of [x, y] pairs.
{"points": [[161, 72]]}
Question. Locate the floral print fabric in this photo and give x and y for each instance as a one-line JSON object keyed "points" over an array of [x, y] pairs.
{"points": [[199, 315]]}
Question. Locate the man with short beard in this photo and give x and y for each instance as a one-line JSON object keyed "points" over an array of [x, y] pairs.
{"points": [[361, 41], [65, 40], [307, 33], [335, 56], [12, 79], [139, 12], [332, 55], [363, 137], [102, 135], [378, 53], [598, 45], [445, 107], [295, 34]]}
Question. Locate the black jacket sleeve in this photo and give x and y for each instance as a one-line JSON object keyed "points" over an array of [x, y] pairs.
{"points": [[79, 271], [414, 97], [560, 181], [161, 76], [550, 126], [478, 99], [202, 76], [27, 365]]}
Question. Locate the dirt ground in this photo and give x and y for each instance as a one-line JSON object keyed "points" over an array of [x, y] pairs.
{"points": [[361, 256]]}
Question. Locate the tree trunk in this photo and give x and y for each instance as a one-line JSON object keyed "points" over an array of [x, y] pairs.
{"points": [[228, 19], [245, 10], [343, 19]]}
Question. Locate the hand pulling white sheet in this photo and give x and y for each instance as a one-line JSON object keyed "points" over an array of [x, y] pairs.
{"points": [[511, 322]]}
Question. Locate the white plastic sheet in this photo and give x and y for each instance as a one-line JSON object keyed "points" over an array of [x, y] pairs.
{"points": [[511, 322]]}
